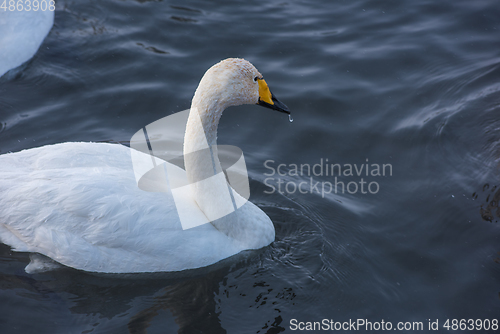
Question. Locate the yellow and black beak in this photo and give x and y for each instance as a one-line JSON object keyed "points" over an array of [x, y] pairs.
{"points": [[268, 100]]}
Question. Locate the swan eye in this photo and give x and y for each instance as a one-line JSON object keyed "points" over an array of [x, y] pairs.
{"points": [[255, 79]]}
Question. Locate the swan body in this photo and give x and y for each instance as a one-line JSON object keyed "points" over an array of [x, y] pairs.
{"points": [[79, 203], [21, 34]]}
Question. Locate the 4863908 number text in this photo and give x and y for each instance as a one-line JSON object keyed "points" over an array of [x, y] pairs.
{"points": [[28, 5]]}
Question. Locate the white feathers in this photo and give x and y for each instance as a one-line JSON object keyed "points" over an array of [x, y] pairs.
{"points": [[89, 213], [21, 34]]}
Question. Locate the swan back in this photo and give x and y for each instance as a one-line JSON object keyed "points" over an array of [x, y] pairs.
{"points": [[21, 33]]}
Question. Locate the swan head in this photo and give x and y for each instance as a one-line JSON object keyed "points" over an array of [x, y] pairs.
{"points": [[235, 81]]}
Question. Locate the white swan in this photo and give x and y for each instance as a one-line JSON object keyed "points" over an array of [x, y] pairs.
{"points": [[79, 203], [21, 34]]}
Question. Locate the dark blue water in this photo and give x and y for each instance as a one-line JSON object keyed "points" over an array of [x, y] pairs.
{"points": [[410, 84]]}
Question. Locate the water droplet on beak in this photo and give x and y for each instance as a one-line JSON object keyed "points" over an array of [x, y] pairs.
{"points": [[290, 118]]}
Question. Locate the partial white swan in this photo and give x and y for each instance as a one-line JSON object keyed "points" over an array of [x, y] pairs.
{"points": [[79, 203], [21, 34]]}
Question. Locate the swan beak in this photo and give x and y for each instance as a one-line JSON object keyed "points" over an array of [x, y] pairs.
{"points": [[268, 100]]}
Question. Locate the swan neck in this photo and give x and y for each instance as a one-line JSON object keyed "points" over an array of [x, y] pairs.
{"points": [[203, 169], [202, 124]]}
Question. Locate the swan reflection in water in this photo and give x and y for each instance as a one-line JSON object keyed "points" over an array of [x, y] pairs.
{"points": [[133, 303]]}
